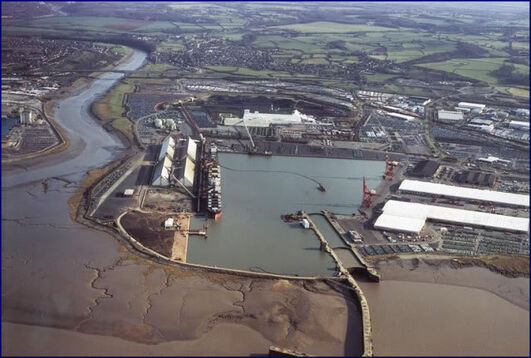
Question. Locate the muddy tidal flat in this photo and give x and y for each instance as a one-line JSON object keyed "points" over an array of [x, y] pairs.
{"points": [[427, 307]]}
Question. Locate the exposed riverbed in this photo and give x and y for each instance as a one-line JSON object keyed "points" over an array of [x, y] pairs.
{"points": [[427, 307]]}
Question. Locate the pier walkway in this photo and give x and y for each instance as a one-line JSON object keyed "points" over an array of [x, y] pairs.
{"points": [[364, 306]]}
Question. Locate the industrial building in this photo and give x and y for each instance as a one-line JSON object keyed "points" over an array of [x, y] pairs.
{"points": [[167, 149], [178, 160], [400, 116], [473, 107], [27, 116], [411, 217], [493, 160], [191, 148], [185, 163], [425, 169], [450, 115], [162, 173], [163, 169], [257, 119], [188, 173], [524, 126], [476, 178], [464, 193]]}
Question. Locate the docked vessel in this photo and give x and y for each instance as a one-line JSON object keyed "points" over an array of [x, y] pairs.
{"points": [[213, 187]]}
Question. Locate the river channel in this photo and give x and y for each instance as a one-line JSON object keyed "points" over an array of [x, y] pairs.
{"points": [[46, 257]]}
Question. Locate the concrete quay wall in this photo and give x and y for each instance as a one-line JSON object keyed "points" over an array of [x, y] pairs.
{"points": [[364, 306], [371, 271]]}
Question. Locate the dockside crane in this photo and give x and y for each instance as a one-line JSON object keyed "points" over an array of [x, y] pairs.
{"points": [[253, 146], [249, 134], [390, 167], [367, 195]]}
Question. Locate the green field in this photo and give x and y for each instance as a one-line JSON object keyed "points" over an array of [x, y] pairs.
{"points": [[379, 77], [76, 21], [249, 72], [332, 27], [115, 97], [479, 69], [156, 26], [77, 24], [315, 61], [170, 45]]}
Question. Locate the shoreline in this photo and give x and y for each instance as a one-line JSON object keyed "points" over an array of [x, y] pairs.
{"points": [[49, 106], [447, 271]]}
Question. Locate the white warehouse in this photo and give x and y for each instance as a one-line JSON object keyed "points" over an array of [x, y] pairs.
{"points": [[450, 115], [257, 119], [524, 126], [474, 107], [410, 217], [464, 193]]}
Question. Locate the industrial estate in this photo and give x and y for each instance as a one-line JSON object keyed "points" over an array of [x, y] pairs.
{"points": [[291, 156]]}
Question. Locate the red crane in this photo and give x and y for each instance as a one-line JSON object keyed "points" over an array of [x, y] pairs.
{"points": [[367, 195], [389, 167]]}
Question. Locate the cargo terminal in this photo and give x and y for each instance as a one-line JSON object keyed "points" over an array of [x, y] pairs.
{"points": [[411, 217], [459, 192]]}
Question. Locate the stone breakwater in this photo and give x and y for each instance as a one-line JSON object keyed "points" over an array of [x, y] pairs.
{"points": [[364, 306]]}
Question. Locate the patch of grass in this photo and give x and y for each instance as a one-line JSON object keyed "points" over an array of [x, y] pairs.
{"points": [[185, 26], [379, 77], [170, 45], [110, 106], [315, 61], [124, 125], [156, 26], [476, 68], [249, 72], [223, 68], [76, 21]]}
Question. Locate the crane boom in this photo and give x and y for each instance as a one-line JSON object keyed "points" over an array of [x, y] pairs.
{"points": [[248, 133]]}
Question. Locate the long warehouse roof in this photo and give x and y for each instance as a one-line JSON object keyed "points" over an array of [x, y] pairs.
{"points": [[411, 217], [464, 192]]}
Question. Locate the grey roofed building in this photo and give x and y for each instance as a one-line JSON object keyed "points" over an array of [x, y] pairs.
{"points": [[444, 115], [425, 169], [476, 178], [167, 147], [162, 172]]}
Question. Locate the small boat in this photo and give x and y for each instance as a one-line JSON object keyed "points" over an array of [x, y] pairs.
{"points": [[321, 187]]}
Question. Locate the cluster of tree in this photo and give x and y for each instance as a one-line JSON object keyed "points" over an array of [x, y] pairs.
{"points": [[508, 74]]}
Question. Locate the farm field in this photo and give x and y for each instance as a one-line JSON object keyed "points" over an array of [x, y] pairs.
{"points": [[247, 71], [480, 69], [332, 27]]}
